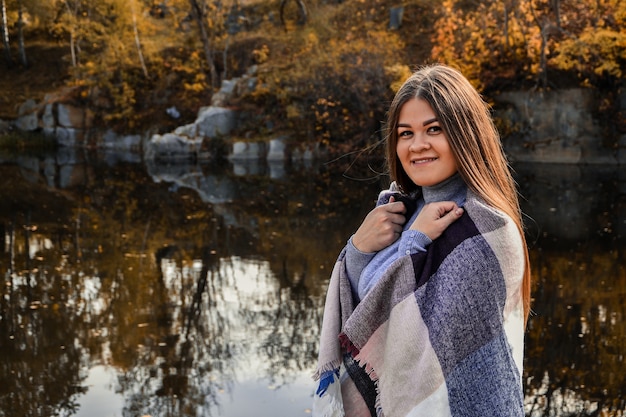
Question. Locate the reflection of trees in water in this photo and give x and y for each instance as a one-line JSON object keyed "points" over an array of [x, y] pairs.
{"points": [[577, 340], [179, 333], [218, 321], [293, 341], [176, 371], [40, 323]]}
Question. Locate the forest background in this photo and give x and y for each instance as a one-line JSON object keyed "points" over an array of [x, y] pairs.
{"points": [[326, 69]]}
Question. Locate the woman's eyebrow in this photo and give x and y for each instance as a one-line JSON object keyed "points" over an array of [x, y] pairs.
{"points": [[429, 121]]}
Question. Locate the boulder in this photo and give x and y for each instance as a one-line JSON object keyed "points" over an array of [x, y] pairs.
{"points": [[277, 150], [211, 189], [67, 136], [27, 119], [190, 130], [250, 167], [222, 97], [213, 121], [247, 150], [305, 153], [277, 170], [172, 146], [186, 141], [47, 118]]}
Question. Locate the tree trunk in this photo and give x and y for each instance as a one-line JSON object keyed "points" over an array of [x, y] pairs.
{"points": [[4, 26], [20, 34], [71, 30], [543, 60], [198, 14], [557, 12], [137, 42], [544, 26]]}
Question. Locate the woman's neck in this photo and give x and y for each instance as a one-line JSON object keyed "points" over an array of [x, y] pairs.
{"points": [[453, 189]]}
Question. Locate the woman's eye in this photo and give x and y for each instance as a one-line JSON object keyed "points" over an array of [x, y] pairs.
{"points": [[434, 129], [404, 133]]}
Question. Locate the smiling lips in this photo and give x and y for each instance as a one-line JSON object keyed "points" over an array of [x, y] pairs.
{"points": [[422, 161]]}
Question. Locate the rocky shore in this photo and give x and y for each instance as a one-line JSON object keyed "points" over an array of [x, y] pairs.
{"points": [[537, 126]]}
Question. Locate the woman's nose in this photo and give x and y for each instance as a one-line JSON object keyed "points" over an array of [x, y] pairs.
{"points": [[419, 143]]}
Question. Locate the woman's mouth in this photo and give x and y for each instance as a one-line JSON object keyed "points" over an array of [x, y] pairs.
{"points": [[422, 161]]}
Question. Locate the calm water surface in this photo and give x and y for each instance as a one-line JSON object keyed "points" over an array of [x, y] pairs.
{"points": [[132, 289]]}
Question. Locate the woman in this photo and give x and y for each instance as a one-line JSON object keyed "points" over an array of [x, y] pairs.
{"points": [[428, 301]]}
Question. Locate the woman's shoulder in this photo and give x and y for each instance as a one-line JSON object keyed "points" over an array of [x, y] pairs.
{"points": [[486, 217]]}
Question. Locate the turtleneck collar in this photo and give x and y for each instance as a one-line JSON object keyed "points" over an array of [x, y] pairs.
{"points": [[454, 189]]}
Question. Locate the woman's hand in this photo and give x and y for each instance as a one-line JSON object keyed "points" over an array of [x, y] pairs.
{"points": [[436, 217], [382, 226]]}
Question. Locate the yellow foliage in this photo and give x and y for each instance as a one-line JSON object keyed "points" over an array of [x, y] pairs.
{"points": [[600, 50], [484, 39], [194, 87], [398, 73], [262, 54]]}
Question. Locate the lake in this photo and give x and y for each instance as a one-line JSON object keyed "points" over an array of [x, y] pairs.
{"points": [[197, 289]]}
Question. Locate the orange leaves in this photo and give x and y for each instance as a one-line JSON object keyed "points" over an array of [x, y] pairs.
{"points": [[601, 52], [482, 38], [397, 73]]}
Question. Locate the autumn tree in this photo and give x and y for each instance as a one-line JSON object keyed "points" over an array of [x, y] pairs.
{"points": [[487, 40], [593, 41], [19, 16], [199, 11], [526, 39]]}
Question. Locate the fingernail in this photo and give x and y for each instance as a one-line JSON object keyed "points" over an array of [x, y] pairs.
{"points": [[459, 211]]}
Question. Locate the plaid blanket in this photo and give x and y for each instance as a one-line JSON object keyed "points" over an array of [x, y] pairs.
{"points": [[441, 334]]}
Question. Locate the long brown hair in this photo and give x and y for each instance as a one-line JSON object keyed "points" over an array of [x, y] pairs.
{"points": [[466, 119]]}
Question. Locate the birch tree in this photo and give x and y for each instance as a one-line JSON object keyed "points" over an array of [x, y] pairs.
{"points": [[71, 18], [137, 40], [4, 26]]}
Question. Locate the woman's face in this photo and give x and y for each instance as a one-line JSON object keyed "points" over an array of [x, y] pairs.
{"points": [[423, 148]]}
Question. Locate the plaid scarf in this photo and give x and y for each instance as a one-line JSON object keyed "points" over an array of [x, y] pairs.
{"points": [[441, 333]]}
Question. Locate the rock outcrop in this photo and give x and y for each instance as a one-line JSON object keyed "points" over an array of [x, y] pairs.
{"points": [[557, 127]]}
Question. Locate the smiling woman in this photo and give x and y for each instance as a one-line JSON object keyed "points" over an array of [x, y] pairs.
{"points": [[427, 303], [423, 148]]}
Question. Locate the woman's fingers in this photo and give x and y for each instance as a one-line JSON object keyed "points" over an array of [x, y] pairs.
{"points": [[435, 218], [381, 227]]}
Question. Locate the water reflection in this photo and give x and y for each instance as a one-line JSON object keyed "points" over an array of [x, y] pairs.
{"points": [[197, 290], [577, 337]]}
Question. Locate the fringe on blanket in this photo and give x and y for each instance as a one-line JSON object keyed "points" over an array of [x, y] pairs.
{"points": [[347, 345], [331, 366]]}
